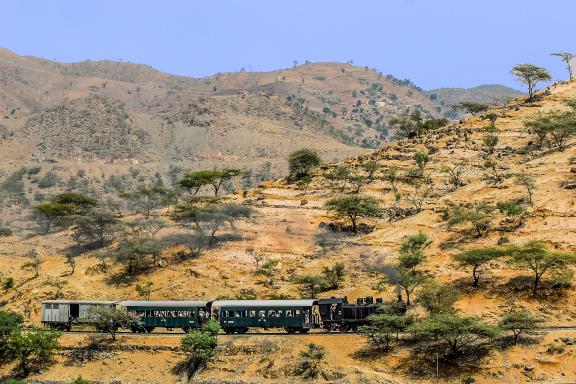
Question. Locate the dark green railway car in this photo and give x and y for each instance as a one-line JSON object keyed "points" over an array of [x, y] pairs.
{"points": [[238, 316], [168, 314]]}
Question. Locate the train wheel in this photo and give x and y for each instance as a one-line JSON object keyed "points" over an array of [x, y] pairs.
{"points": [[304, 330], [186, 329], [229, 331], [290, 330], [148, 329], [243, 330], [344, 328]]}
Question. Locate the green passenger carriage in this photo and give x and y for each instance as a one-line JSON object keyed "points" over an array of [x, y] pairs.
{"points": [[168, 314], [238, 316]]}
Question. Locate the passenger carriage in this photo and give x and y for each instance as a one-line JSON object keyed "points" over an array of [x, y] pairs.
{"points": [[168, 314], [238, 316], [62, 314]]}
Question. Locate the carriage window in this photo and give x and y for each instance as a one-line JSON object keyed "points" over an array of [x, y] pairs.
{"points": [[238, 313], [297, 312], [55, 306], [279, 314], [252, 313], [261, 313], [244, 313], [48, 306], [231, 313], [288, 313]]}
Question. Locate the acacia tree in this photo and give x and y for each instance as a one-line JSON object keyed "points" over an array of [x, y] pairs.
{"points": [[519, 322], [96, 229], [566, 57], [421, 158], [452, 331], [454, 173], [536, 257], [110, 319], [146, 199], [528, 182], [302, 162], [392, 177], [354, 207], [478, 217], [472, 107], [438, 298], [32, 348], [476, 259], [530, 75]]}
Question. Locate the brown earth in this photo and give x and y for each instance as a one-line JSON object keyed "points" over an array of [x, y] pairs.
{"points": [[288, 228]]}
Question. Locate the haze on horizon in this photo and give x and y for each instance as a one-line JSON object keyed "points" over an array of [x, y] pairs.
{"points": [[445, 43]]}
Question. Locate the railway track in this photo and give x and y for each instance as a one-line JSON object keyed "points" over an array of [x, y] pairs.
{"points": [[317, 333]]}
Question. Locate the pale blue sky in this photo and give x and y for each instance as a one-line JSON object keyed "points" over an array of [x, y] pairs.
{"points": [[432, 42]]}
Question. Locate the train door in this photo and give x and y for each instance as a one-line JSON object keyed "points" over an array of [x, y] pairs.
{"points": [[74, 311]]}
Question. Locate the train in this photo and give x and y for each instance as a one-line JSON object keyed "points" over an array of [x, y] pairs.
{"points": [[234, 316]]}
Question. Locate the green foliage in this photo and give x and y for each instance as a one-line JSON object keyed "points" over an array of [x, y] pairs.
{"points": [[370, 167], [528, 182], [438, 298], [194, 181], [478, 217], [5, 232], [310, 360], [49, 180], [452, 331], [414, 124], [559, 125], [110, 319], [269, 269], [145, 290], [33, 348], [200, 344], [14, 186], [79, 380], [353, 207], [519, 322], [79, 203], [421, 158], [476, 259], [96, 229], [8, 283], [10, 323], [536, 257], [136, 255], [472, 107], [490, 141], [302, 162], [454, 173], [530, 75], [382, 326], [208, 217], [146, 199], [61, 209], [412, 251], [334, 274], [311, 285]]}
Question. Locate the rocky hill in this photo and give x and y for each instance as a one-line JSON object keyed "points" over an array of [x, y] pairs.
{"points": [[293, 229], [356, 101]]}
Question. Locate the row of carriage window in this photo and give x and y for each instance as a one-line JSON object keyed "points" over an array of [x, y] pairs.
{"points": [[263, 313], [224, 313]]}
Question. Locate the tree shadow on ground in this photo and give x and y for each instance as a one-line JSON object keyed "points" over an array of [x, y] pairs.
{"points": [[426, 360]]}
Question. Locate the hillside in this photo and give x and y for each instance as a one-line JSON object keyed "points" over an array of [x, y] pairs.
{"points": [[483, 94], [357, 102], [291, 227]]}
